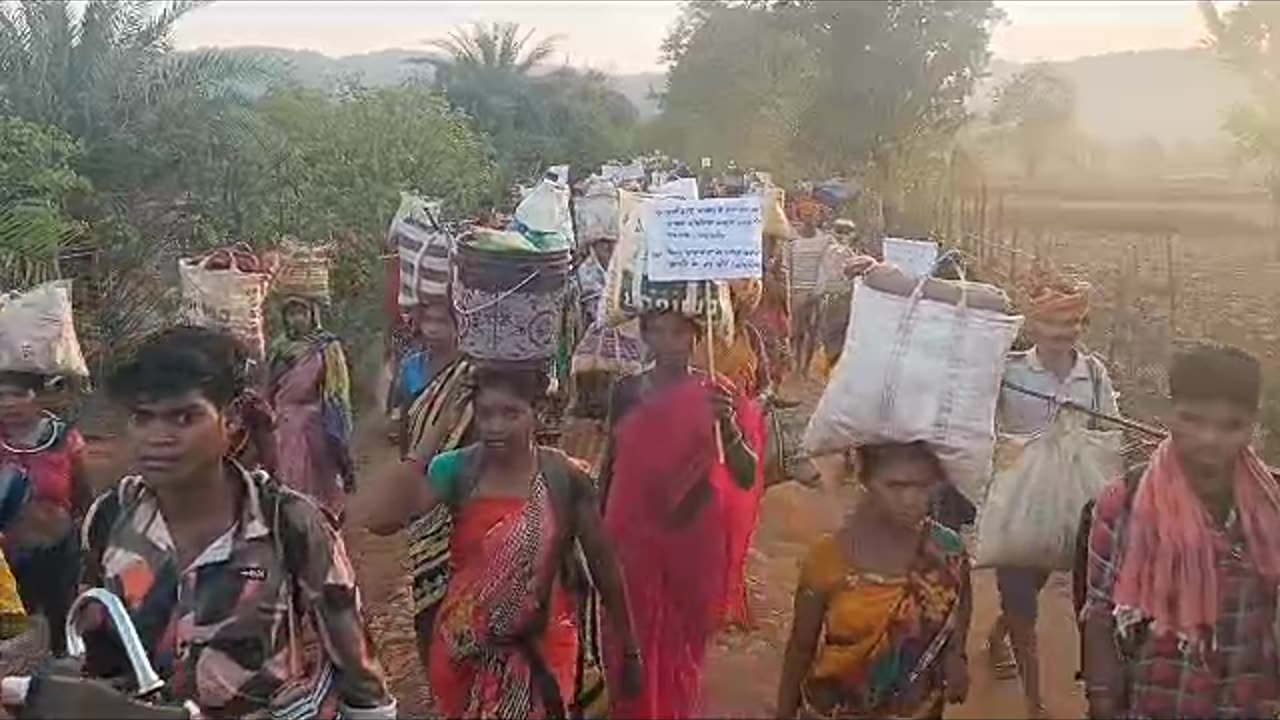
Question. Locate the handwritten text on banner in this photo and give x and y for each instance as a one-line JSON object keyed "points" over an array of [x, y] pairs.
{"points": [[713, 239]]}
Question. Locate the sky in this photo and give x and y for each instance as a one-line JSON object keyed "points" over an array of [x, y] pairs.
{"points": [[622, 36]]}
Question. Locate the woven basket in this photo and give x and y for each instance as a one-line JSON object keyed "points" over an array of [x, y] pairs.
{"points": [[304, 273]]}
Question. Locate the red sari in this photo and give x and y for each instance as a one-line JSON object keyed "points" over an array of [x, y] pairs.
{"points": [[677, 577], [501, 563]]}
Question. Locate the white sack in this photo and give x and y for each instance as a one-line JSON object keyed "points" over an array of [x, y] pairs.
{"points": [[596, 213], [1042, 482], [546, 210], [915, 369], [38, 332]]}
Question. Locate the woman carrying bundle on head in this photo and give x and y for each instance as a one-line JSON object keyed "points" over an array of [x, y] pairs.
{"points": [[883, 605], [665, 511], [310, 389], [45, 495], [504, 640]]}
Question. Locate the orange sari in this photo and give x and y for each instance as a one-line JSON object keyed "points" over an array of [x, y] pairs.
{"points": [[489, 619]]}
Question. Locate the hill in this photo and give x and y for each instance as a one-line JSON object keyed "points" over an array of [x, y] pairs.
{"points": [[1170, 95]]}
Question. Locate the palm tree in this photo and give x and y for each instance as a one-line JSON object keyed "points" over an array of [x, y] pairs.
{"points": [[499, 46], [104, 72]]}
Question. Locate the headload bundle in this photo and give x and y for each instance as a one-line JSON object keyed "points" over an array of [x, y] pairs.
{"points": [[38, 332], [418, 238], [226, 289], [304, 271], [510, 285], [596, 212], [922, 360]]}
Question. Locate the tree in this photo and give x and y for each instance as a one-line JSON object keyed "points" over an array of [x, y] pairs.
{"points": [[498, 47], [37, 180], [533, 120], [1248, 38], [813, 88], [1037, 106], [106, 75]]}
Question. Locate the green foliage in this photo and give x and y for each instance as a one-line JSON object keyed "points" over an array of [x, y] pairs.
{"points": [[1248, 38], [533, 121], [1037, 106], [37, 177], [814, 88]]}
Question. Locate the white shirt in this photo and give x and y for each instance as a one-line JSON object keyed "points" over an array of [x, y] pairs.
{"points": [[1019, 413]]}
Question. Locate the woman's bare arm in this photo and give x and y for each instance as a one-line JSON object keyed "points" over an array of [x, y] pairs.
{"points": [[393, 496], [806, 628]]}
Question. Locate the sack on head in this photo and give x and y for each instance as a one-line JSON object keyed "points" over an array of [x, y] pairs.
{"points": [[38, 332]]}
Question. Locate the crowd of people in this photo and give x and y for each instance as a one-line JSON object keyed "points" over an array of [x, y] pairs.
{"points": [[544, 584]]}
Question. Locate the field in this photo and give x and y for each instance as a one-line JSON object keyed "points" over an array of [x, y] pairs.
{"points": [[1168, 264]]}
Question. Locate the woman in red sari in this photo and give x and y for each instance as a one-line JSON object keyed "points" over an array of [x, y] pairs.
{"points": [[744, 362], [666, 515], [504, 640]]}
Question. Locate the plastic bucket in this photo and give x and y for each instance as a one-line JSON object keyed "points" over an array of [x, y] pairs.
{"points": [[509, 303]]}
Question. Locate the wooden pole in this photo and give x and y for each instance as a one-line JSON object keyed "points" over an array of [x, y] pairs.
{"points": [[711, 366], [1172, 276]]}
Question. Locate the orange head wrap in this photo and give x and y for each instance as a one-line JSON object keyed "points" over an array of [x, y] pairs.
{"points": [[1057, 300]]}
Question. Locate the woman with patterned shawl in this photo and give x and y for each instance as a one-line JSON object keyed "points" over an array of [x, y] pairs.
{"points": [[883, 605], [311, 393]]}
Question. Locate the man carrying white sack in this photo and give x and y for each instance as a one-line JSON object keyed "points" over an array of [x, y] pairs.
{"points": [[1056, 366]]}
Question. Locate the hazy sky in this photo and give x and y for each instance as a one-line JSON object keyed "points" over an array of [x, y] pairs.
{"points": [[623, 35]]}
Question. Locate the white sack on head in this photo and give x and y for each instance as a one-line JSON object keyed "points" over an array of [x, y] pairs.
{"points": [[917, 369], [38, 332]]}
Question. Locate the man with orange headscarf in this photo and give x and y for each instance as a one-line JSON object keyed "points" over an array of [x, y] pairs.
{"points": [[1058, 366]]}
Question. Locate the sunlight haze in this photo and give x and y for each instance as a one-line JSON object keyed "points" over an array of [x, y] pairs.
{"points": [[623, 36]]}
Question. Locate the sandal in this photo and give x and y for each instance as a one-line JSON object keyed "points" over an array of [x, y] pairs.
{"points": [[1000, 657]]}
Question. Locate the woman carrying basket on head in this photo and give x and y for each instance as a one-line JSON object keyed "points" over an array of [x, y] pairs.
{"points": [[311, 393]]}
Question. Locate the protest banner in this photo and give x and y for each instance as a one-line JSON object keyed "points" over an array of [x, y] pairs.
{"points": [[713, 239], [915, 258]]}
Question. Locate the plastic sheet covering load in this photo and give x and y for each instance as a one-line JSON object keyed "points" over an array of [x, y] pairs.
{"points": [[304, 271], [775, 214], [1041, 484], [596, 213], [226, 290], [921, 361], [543, 216], [628, 291], [38, 332], [418, 238]]}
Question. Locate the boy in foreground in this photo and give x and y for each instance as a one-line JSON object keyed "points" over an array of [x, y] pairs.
{"points": [[1184, 559]]}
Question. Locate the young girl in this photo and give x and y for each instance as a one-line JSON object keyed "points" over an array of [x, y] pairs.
{"points": [[883, 605], [42, 452]]}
